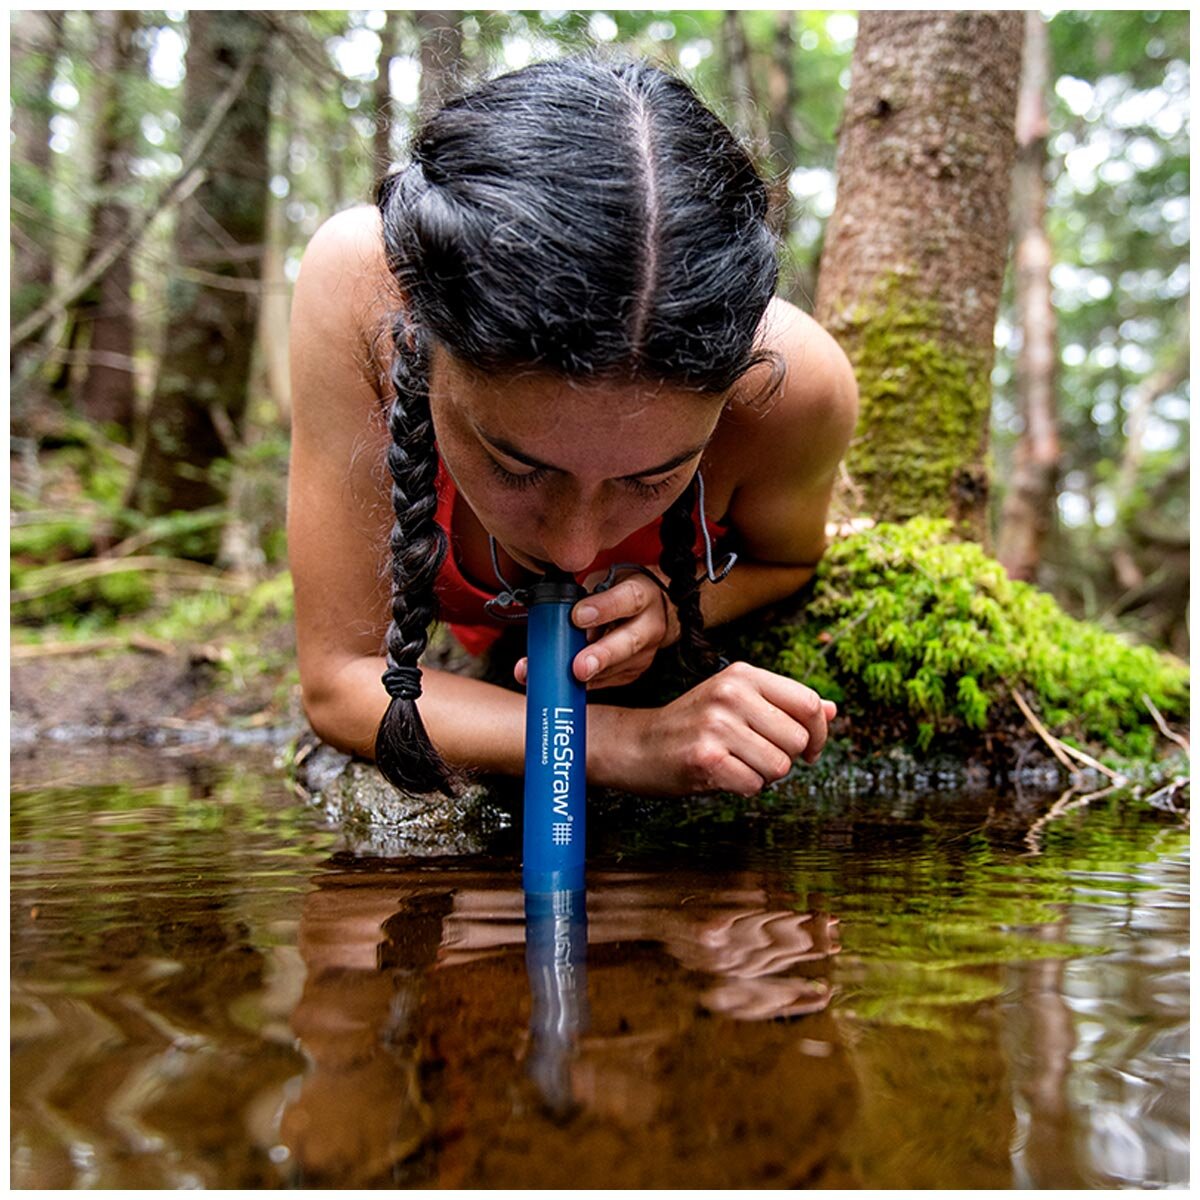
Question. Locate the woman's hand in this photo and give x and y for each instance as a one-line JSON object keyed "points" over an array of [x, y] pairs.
{"points": [[627, 626], [738, 731]]}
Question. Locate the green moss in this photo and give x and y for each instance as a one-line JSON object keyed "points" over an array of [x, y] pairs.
{"points": [[923, 407], [911, 630]]}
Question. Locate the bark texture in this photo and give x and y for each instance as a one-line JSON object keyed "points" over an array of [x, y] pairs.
{"points": [[1028, 515], [36, 39], [914, 257], [199, 400], [105, 312]]}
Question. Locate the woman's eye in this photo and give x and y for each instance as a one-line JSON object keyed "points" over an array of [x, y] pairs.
{"points": [[649, 490], [512, 479], [526, 479]]}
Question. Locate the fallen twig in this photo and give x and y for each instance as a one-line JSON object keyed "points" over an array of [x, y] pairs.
{"points": [[1088, 760], [137, 641], [1164, 728], [60, 576], [1056, 747], [1061, 748]]}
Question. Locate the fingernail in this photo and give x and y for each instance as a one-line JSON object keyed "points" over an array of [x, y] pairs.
{"points": [[585, 615], [589, 667]]}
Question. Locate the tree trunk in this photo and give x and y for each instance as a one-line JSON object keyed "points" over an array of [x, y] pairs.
{"points": [[105, 312], [389, 41], [782, 94], [914, 256], [200, 396], [274, 377], [36, 41], [745, 107], [440, 34], [1029, 504]]}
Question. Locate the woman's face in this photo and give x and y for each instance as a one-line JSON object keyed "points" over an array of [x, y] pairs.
{"points": [[557, 470]]}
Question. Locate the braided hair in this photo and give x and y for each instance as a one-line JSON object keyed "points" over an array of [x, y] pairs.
{"points": [[585, 217]]}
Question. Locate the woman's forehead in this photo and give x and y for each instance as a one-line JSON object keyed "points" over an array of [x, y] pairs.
{"points": [[537, 409]]}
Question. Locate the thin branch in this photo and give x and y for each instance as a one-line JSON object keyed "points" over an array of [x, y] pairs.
{"points": [[1162, 725], [57, 578], [1089, 761], [183, 185], [1056, 747], [137, 641], [232, 283], [96, 358], [1060, 748], [306, 51], [150, 259]]}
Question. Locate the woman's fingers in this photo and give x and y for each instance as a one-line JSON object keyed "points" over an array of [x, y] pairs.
{"points": [[797, 701], [623, 600], [630, 640], [792, 737], [769, 761]]}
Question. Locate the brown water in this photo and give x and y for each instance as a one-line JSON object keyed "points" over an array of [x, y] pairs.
{"points": [[909, 993]]}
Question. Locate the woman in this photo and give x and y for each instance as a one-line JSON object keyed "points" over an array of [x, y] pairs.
{"points": [[557, 328]]}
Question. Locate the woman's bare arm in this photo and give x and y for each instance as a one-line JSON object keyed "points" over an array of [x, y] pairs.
{"points": [[340, 515]]}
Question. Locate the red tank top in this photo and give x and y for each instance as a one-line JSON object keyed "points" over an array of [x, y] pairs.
{"points": [[461, 602]]}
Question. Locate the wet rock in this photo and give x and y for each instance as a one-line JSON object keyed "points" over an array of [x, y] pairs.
{"points": [[379, 820]]}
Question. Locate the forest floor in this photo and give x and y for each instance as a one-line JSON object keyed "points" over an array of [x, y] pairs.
{"points": [[130, 684]]}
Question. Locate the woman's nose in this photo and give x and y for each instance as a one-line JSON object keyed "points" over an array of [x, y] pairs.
{"points": [[571, 539]]}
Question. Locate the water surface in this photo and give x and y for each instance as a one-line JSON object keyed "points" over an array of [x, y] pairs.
{"points": [[209, 990]]}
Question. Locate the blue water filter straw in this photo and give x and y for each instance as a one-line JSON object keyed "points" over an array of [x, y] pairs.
{"points": [[555, 741]]}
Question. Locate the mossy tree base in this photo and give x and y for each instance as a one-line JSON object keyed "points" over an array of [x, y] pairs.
{"points": [[921, 442], [923, 640]]}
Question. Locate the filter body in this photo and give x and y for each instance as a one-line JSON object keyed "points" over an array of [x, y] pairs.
{"points": [[555, 743]]}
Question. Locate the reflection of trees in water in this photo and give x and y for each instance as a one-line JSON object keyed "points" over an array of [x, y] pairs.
{"points": [[1100, 1045], [994, 1045], [416, 1016], [142, 1054]]}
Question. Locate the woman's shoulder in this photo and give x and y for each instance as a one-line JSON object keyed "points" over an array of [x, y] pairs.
{"points": [[818, 380], [344, 290], [348, 240], [807, 417]]}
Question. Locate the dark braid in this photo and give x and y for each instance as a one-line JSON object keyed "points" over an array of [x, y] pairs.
{"points": [[403, 751], [678, 535]]}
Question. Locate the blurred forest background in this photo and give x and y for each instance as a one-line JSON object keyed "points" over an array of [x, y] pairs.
{"points": [[149, 298]]}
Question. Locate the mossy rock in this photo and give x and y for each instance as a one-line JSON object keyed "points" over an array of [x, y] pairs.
{"points": [[922, 639], [380, 820]]}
